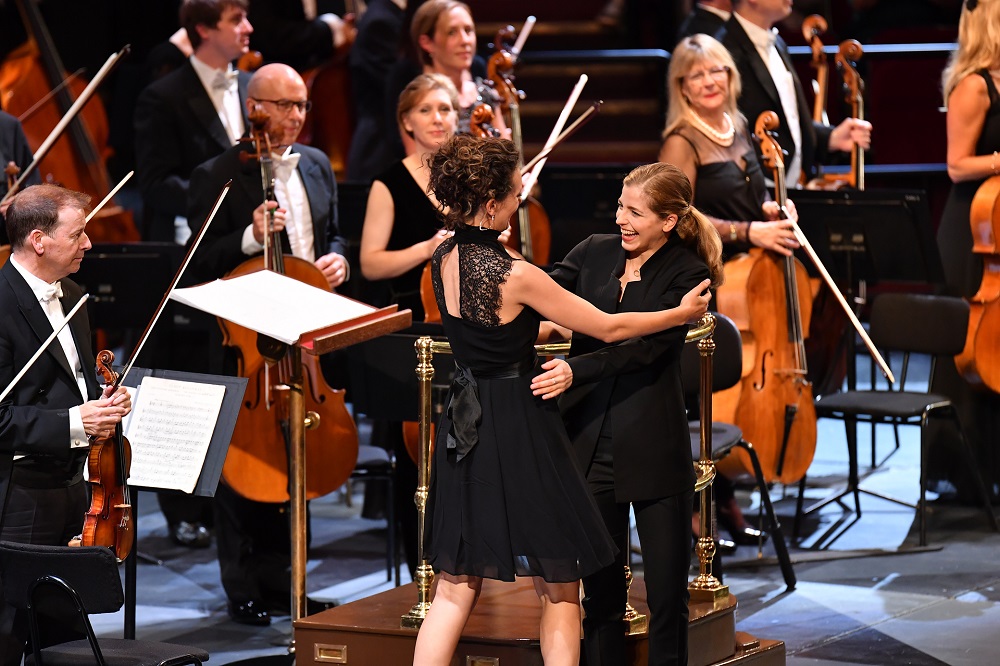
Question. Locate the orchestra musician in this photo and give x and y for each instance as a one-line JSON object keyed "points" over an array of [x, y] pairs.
{"points": [[47, 419], [443, 36], [296, 33], [192, 114], [506, 497], [182, 119], [770, 83], [970, 83], [253, 537], [706, 18], [624, 405], [402, 228], [14, 149]]}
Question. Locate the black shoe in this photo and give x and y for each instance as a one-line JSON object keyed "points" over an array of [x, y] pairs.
{"points": [[313, 606], [725, 547], [748, 536], [250, 612], [190, 535]]}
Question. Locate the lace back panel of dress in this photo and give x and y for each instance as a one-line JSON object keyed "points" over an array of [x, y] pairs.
{"points": [[482, 268]]}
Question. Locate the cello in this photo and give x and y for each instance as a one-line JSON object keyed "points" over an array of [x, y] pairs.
{"points": [[979, 362], [812, 27], [768, 297], [76, 161], [257, 465]]}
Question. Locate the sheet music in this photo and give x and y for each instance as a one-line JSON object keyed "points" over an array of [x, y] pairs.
{"points": [[169, 429], [272, 304]]}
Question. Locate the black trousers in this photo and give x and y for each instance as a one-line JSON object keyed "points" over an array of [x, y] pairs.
{"points": [[43, 516], [664, 527], [254, 548]]}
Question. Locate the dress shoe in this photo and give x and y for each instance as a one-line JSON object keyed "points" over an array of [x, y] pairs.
{"points": [[191, 535], [250, 612], [748, 536], [725, 547], [313, 606]]}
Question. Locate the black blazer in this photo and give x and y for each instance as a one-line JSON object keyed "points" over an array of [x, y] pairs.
{"points": [[34, 418], [760, 94], [221, 250], [699, 21], [636, 382], [176, 129], [14, 148]]}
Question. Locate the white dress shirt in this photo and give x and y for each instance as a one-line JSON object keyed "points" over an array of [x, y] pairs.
{"points": [[54, 311], [291, 196], [764, 40]]}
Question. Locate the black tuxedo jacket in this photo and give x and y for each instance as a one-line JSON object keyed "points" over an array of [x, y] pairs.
{"points": [[699, 21], [636, 382], [14, 148], [221, 250], [176, 129], [34, 418], [760, 94]]}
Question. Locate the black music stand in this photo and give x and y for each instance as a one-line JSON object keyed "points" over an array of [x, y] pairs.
{"points": [[870, 237], [211, 469]]}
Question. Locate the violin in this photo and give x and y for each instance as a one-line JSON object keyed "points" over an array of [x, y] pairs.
{"points": [[979, 362], [532, 235], [768, 296], [109, 520], [76, 161], [257, 464]]}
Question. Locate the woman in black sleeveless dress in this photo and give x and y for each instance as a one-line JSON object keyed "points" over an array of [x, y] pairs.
{"points": [[507, 498]]}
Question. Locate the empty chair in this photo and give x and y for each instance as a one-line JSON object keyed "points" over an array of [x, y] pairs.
{"points": [[911, 324], [59, 587]]}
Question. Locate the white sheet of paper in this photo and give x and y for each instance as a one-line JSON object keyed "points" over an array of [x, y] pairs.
{"points": [[272, 304], [170, 428]]}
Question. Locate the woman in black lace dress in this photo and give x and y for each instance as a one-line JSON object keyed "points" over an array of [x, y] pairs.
{"points": [[507, 498]]}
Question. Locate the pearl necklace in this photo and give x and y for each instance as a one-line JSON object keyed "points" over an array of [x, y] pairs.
{"points": [[722, 138]]}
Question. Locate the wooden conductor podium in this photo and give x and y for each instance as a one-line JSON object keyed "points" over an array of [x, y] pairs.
{"points": [[303, 318]]}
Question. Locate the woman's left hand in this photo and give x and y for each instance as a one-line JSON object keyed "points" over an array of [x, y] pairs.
{"points": [[552, 383]]}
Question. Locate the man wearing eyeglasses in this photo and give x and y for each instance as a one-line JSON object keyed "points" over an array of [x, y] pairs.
{"points": [[770, 83], [253, 537]]}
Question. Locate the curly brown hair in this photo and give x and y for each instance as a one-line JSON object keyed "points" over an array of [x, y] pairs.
{"points": [[466, 172]]}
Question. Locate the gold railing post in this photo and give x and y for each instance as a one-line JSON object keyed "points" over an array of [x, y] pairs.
{"points": [[706, 587], [425, 574]]}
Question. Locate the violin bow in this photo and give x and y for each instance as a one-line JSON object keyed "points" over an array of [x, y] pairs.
{"points": [[522, 37], [57, 131], [111, 194], [45, 345], [574, 126], [173, 285], [532, 176]]}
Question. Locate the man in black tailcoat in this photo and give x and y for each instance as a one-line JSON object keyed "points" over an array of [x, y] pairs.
{"points": [[253, 537]]}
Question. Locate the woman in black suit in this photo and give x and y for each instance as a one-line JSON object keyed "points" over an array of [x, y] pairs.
{"points": [[625, 410]]}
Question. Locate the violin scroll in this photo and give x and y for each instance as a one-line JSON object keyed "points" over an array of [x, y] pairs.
{"points": [[481, 122], [847, 57]]}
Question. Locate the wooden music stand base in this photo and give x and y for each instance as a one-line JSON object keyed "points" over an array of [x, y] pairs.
{"points": [[503, 631]]}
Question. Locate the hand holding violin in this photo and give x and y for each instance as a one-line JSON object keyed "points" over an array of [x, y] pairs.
{"points": [[102, 415]]}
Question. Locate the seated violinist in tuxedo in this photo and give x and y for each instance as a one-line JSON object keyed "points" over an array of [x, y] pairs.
{"points": [[253, 537], [47, 418]]}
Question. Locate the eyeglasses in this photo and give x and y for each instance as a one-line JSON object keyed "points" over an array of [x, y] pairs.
{"points": [[285, 105], [718, 74]]}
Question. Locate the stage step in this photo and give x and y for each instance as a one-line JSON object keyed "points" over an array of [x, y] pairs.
{"points": [[503, 631]]}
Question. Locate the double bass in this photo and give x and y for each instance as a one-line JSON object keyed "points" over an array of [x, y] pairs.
{"points": [[257, 465], [979, 362], [768, 297]]}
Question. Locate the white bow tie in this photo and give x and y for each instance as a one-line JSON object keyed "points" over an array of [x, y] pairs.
{"points": [[225, 80], [50, 292], [285, 165]]}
